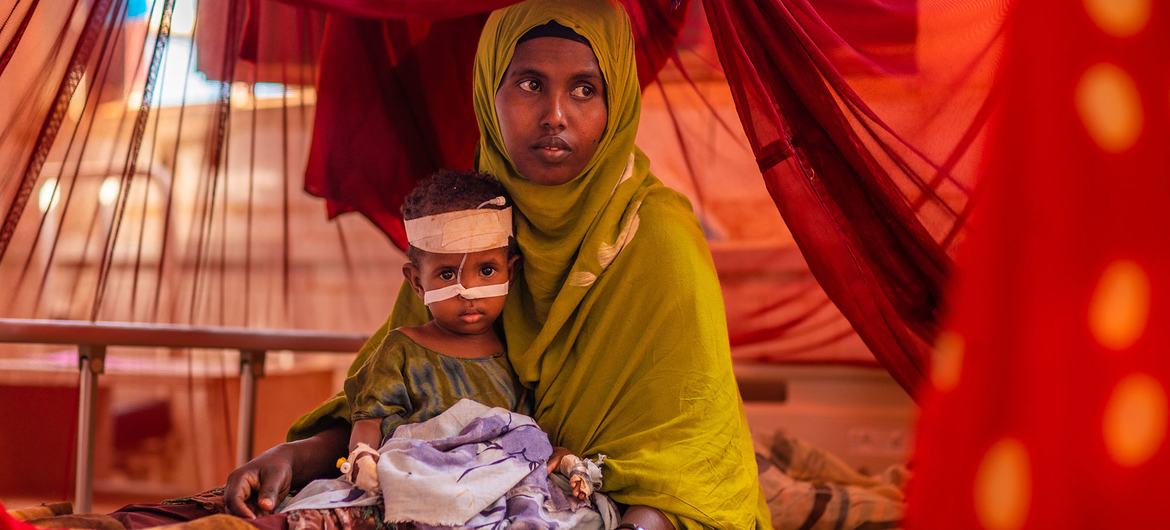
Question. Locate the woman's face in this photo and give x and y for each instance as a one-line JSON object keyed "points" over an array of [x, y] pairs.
{"points": [[552, 110]]}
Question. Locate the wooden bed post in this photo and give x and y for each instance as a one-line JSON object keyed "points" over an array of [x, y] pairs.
{"points": [[92, 363]]}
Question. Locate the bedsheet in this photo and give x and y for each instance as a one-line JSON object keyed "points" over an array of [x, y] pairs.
{"points": [[808, 488]]}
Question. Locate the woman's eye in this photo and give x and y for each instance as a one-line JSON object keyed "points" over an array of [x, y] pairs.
{"points": [[530, 85], [447, 275], [487, 271], [582, 91]]}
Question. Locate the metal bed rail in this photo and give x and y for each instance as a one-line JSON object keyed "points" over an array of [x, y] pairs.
{"points": [[93, 338]]}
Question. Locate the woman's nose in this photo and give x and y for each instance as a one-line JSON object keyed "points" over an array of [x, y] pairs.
{"points": [[554, 114]]}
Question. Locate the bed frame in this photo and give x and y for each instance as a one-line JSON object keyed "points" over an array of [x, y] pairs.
{"points": [[93, 338]]}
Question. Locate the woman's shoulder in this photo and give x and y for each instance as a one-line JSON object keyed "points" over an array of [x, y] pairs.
{"points": [[660, 200], [667, 226], [665, 249]]}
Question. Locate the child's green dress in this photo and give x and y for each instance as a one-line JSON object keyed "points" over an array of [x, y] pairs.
{"points": [[403, 382]]}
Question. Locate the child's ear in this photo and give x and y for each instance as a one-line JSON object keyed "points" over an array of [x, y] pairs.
{"points": [[413, 277], [513, 267]]}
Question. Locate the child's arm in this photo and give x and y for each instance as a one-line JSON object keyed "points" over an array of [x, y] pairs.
{"points": [[367, 431], [376, 394], [364, 440]]}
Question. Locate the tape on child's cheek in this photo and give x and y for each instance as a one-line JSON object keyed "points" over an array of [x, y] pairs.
{"points": [[474, 293]]}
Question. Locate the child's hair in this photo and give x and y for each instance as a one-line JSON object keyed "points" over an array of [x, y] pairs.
{"points": [[450, 191]]}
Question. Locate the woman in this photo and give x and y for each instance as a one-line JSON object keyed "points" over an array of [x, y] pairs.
{"points": [[617, 323]]}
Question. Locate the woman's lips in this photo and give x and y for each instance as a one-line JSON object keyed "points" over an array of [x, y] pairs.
{"points": [[552, 149]]}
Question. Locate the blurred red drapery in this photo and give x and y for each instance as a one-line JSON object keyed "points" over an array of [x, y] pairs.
{"points": [[864, 116], [1049, 407], [873, 207], [875, 199]]}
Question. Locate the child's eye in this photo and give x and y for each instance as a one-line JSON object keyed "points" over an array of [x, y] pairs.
{"points": [[487, 271], [582, 91], [530, 85], [446, 275]]}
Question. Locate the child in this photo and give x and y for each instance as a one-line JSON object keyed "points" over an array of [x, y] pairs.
{"points": [[462, 259]]}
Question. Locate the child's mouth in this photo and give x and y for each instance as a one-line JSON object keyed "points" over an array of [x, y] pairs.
{"points": [[471, 317]]}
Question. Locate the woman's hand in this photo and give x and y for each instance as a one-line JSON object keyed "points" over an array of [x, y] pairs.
{"points": [[267, 477], [257, 488]]}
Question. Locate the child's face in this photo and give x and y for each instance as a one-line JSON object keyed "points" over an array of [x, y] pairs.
{"points": [[458, 314]]}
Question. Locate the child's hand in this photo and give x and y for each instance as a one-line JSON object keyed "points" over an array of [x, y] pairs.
{"points": [[584, 475], [363, 468], [582, 489], [365, 473], [571, 466], [554, 461]]}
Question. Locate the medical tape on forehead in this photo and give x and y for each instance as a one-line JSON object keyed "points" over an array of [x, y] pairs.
{"points": [[461, 232], [451, 291]]}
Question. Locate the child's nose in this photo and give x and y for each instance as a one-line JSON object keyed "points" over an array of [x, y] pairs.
{"points": [[471, 279]]}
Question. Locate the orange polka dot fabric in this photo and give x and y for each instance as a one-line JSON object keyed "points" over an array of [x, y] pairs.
{"points": [[1050, 396]]}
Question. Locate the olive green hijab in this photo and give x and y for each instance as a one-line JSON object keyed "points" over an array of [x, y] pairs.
{"points": [[617, 322], [571, 232]]}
